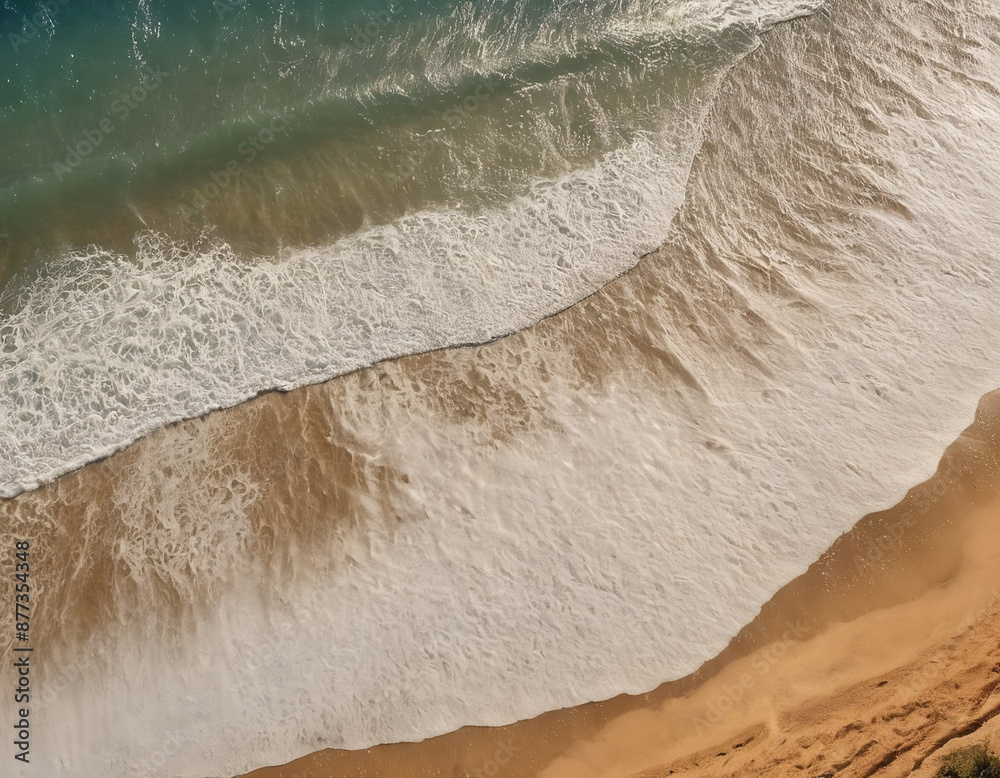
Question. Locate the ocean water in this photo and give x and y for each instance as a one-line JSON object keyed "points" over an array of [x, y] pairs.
{"points": [[280, 198], [592, 505]]}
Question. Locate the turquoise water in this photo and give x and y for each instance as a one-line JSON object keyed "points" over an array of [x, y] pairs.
{"points": [[121, 117]]}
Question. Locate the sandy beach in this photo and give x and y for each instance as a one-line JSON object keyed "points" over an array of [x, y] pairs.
{"points": [[879, 660]]}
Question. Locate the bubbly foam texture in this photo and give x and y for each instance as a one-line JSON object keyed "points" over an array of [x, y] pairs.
{"points": [[506, 574], [188, 521]]}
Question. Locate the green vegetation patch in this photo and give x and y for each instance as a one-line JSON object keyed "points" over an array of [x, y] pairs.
{"points": [[972, 762]]}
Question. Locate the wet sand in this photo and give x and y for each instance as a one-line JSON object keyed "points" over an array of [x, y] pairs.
{"points": [[878, 660]]}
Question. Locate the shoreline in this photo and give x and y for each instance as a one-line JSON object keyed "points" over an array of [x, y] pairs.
{"points": [[777, 383], [804, 652]]}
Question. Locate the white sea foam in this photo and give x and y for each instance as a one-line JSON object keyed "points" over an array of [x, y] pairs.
{"points": [[603, 554]]}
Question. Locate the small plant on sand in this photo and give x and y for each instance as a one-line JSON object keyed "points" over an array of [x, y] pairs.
{"points": [[972, 762]]}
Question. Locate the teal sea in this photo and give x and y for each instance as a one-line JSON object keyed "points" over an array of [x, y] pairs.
{"points": [[123, 117]]}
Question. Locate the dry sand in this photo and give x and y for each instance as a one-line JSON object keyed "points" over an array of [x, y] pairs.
{"points": [[879, 660]]}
